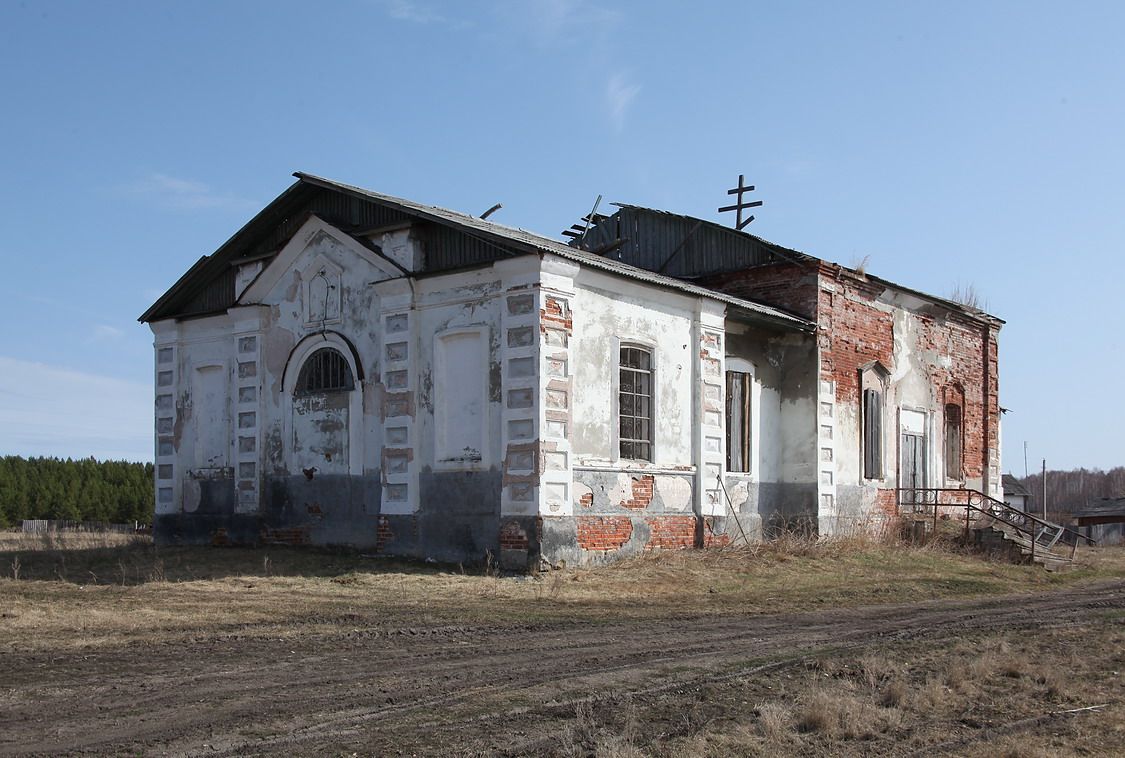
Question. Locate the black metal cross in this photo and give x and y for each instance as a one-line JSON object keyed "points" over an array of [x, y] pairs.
{"points": [[740, 206]]}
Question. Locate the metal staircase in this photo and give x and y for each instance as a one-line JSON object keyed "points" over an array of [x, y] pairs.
{"points": [[993, 523]]}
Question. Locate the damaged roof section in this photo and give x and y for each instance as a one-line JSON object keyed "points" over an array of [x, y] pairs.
{"points": [[694, 249], [452, 240]]}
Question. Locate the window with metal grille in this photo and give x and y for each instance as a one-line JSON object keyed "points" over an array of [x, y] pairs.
{"points": [[953, 441], [872, 434], [325, 371], [738, 421], [634, 410]]}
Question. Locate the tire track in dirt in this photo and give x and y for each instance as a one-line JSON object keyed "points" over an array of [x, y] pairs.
{"points": [[463, 686]]}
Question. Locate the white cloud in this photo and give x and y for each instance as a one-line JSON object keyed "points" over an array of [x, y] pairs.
{"points": [[184, 194], [105, 333], [555, 22], [48, 410], [620, 93], [416, 13]]}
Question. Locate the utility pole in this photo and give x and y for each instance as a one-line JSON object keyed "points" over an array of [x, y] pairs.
{"points": [[1025, 460], [1044, 489]]}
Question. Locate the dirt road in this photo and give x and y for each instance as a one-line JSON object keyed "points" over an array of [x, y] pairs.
{"points": [[389, 690]]}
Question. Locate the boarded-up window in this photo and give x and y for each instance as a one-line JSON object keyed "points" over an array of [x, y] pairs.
{"points": [[872, 434], [325, 371], [211, 416], [635, 404], [460, 398], [953, 441], [738, 421]]}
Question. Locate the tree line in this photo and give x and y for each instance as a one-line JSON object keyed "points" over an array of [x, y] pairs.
{"points": [[81, 490], [1067, 490]]}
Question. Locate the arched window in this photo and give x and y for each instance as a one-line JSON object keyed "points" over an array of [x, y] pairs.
{"points": [[872, 380], [324, 371], [953, 441]]}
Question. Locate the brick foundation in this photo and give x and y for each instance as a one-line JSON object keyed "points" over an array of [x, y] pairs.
{"points": [[513, 537], [603, 532], [671, 532]]}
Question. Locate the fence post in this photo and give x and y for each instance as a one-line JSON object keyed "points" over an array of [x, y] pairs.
{"points": [[937, 497]]}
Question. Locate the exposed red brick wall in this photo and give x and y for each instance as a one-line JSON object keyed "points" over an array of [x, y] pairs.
{"points": [[556, 315], [513, 537], [671, 532], [587, 500], [788, 286], [886, 500], [383, 534], [603, 532], [963, 381], [642, 493], [711, 538], [290, 536], [854, 332]]}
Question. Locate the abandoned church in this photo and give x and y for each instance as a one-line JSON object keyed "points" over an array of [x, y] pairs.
{"points": [[356, 369]]}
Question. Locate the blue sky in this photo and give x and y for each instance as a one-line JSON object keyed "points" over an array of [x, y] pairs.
{"points": [[955, 143]]}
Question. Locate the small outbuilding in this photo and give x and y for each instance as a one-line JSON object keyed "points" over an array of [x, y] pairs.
{"points": [[1015, 493], [1102, 520]]}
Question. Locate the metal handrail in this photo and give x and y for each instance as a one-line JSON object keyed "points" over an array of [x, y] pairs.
{"points": [[1033, 526]]}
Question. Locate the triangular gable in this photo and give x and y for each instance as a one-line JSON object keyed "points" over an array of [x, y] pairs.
{"points": [[284, 261]]}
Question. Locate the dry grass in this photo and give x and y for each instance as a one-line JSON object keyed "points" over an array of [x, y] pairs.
{"points": [[82, 594], [943, 703], [69, 541], [93, 590], [775, 720]]}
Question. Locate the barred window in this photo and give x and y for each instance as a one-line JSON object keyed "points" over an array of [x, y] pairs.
{"points": [[635, 404], [325, 371]]}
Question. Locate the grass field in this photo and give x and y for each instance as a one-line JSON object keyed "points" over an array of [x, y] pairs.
{"points": [[1034, 684], [89, 590]]}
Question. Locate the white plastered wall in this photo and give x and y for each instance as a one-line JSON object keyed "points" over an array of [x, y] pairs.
{"points": [[259, 345], [609, 311]]}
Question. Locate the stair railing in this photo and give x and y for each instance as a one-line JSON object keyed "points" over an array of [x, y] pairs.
{"points": [[927, 501]]}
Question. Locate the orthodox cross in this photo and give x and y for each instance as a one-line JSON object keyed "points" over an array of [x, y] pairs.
{"points": [[739, 205]]}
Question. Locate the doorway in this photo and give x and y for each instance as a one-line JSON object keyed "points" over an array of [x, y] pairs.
{"points": [[912, 456]]}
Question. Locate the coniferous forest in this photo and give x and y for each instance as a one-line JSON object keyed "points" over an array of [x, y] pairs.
{"points": [[81, 490]]}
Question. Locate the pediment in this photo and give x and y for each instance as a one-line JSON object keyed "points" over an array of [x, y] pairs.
{"points": [[305, 253]]}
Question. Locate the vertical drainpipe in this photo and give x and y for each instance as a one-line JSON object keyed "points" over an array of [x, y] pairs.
{"points": [[697, 422], [986, 454]]}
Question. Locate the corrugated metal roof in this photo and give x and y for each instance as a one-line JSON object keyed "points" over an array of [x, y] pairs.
{"points": [[534, 241], [682, 246], [689, 247], [456, 240]]}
